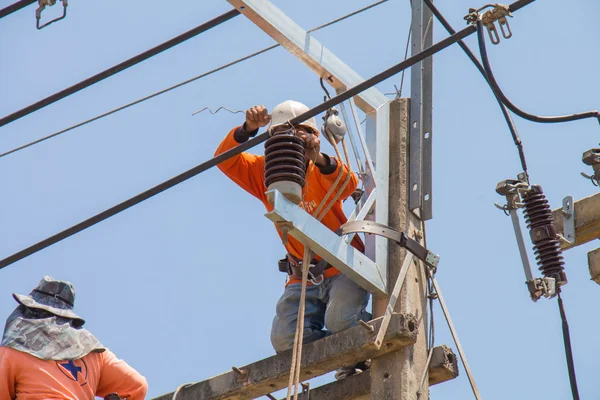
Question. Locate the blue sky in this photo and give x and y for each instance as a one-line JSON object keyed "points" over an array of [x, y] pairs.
{"points": [[184, 285]]}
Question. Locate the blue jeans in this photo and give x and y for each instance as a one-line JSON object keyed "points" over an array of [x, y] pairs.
{"points": [[337, 304]]}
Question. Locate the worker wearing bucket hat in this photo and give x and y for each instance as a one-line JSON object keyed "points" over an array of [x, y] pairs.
{"points": [[46, 353]]}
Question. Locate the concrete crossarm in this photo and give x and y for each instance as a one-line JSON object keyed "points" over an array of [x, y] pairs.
{"points": [[271, 374], [587, 221], [443, 367]]}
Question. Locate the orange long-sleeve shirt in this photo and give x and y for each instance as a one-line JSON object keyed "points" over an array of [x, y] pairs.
{"points": [[25, 377], [248, 170]]}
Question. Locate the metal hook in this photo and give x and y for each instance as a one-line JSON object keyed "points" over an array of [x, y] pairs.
{"points": [[592, 178], [42, 5], [503, 208]]}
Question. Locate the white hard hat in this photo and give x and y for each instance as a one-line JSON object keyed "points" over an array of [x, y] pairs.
{"points": [[289, 109]]}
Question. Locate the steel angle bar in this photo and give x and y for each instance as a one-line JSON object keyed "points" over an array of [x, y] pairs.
{"points": [[366, 207], [313, 54], [358, 159], [361, 138], [331, 247], [427, 117], [393, 299], [415, 155]]}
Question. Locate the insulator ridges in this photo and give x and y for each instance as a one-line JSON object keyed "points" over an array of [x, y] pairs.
{"points": [[284, 159], [540, 222]]}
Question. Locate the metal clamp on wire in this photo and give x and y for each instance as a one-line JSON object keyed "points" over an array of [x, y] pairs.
{"points": [[592, 158], [498, 12], [43, 4]]}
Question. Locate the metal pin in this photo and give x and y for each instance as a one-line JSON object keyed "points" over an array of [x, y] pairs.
{"points": [[366, 326]]}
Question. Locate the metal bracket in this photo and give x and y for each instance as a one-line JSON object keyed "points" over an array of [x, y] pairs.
{"points": [[43, 4], [331, 247], [568, 211], [401, 238]]}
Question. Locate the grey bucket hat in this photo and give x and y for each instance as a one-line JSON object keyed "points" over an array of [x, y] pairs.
{"points": [[54, 296]]}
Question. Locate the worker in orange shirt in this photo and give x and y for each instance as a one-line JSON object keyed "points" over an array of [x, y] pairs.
{"points": [[335, 302], [46, 354]]}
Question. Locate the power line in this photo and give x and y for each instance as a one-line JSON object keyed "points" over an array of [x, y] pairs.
{"points": [[531, 117], [238, 149], [119, 67], [106, 114], [239, 60], [15, 7]]}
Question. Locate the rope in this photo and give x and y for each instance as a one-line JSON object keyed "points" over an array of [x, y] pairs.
{"points": [[344, 185], [338, 178], [294, 380], [325, 206]]}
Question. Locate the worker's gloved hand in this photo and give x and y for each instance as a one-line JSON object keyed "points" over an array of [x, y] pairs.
{"points": [[256, 117]]}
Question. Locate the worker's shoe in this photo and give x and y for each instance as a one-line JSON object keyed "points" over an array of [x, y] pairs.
{"points": [[352, 370]]}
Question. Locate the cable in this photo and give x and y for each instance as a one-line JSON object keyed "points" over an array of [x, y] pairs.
{"points": [[182, 83], [119, 67], [236, 150], [132, 201], [511, 125], [531, 117], [568, 349], [15, 7], [106, 114]]}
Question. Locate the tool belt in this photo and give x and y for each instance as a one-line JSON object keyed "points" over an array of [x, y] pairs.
{"points": [[292, 266]]}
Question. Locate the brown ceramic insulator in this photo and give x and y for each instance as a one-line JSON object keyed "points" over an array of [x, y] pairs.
{"points": [[284, 159], [540, 222]]}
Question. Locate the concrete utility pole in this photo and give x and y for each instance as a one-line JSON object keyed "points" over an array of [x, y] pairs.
{"points": [[397, 375]]}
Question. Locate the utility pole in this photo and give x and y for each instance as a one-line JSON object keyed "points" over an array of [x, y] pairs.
{"points": [[398, 375]]}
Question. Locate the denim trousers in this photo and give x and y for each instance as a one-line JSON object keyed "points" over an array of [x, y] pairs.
{"points": [[336, 304]]}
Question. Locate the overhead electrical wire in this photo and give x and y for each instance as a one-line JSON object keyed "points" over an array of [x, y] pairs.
{"points": [[119, 67], [222, 67], [240, 148], [509, 121], [15, 7], [523, 114]]}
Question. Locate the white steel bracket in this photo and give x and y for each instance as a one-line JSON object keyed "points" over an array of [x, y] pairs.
{"points": [[331, 247], [372, 275], [301, 44]]}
